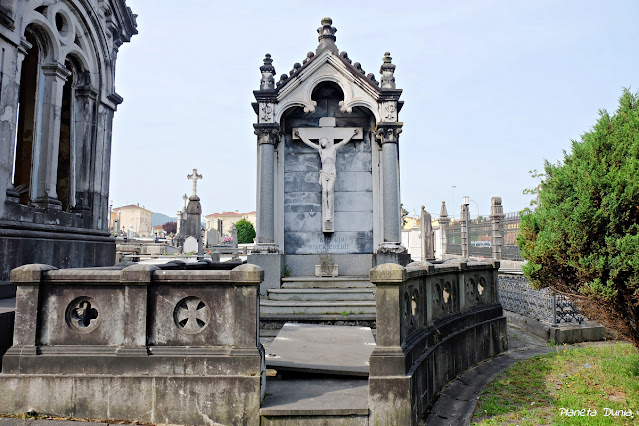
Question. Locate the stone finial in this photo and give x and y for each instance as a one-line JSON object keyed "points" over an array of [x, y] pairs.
{"points": [[496, 209], [309, 56], [443, 212], [327, 36], [268, 71], [387, 71]]}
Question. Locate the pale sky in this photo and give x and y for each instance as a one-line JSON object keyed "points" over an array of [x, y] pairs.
{"points": [[491, 89]]}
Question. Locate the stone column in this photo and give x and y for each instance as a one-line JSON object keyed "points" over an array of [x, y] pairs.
{"points": [[388, 137], [47, 145], [84, 111], [465, 232], [268, 135], [9, 108], [496, 217], [426, 228], [444, 221]]}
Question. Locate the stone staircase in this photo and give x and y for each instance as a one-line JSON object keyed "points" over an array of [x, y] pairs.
{"points": [[321, 296]]}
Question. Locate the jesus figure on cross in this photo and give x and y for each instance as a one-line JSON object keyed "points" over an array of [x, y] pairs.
{"points": [[326, 135]]}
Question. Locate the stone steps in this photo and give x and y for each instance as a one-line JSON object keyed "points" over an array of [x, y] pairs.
{"points": [[319, 294], [327, 282], [294, 307]]}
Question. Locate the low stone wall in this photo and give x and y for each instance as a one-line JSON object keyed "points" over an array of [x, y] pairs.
{"points": [[433, 322], [139, 343]]}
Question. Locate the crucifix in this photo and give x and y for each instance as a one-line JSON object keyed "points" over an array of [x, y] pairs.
{"points": [[326, 135], [194, 177]]}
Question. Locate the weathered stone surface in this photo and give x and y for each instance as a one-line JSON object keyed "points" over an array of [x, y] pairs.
{"points": [[97, 344], [322, 349]]}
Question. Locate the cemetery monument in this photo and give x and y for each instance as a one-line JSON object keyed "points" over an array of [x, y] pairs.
{"points": [[328, 169]]}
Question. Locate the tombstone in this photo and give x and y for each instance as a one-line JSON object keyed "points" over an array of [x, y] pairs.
{"points": [[190, 245], [234, 236], [335, 129], [428, 236], [212, 238], [220, 229], [193, 222]]}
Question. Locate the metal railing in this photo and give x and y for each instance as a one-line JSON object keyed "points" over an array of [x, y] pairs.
{"points": [[517, 295]]}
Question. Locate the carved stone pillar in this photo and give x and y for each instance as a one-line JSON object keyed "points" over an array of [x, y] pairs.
{"points": [[84, 113], [496, 217], [388, 137], [268, 135], [444, 221], [46, 148]]}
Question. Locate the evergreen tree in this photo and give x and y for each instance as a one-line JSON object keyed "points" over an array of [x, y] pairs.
{"points": [[583, 238], [245, 231]]}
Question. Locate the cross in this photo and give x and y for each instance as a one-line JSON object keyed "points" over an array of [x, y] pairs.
{"points": [[194, 177], [185, 198], [326, 135]]}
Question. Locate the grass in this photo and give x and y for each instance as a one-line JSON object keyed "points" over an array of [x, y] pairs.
{"points": [[542, 390]]}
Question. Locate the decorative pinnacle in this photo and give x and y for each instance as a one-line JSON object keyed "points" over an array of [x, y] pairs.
{"points": [[387, 71], [268, 71], [327, 36], [444, 211]]}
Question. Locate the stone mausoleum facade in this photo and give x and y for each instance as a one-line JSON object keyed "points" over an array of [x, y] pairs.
{"points": [[328, 163], [58, 99]]}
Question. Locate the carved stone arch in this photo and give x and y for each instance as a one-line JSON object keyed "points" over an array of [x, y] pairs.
{"points": [[41, 29], [338, 79], [82, 72], [284, 107], [367, 104]]}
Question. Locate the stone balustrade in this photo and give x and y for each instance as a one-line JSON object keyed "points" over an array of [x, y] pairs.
{"points": [[433, 322], [139, 343]]}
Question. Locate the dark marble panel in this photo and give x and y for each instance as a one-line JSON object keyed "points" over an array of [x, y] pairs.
{"points": [[337, 242]]}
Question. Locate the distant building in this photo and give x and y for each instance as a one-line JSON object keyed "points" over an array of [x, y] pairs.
{"points": [[57, 73], [159, 231], [228, 218], [133, 217]]}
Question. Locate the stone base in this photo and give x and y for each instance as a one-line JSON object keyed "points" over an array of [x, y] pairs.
{"points": [[303, 265], [169, 399], [450, 347], [273, 266], [399, 258], [62, 248]]}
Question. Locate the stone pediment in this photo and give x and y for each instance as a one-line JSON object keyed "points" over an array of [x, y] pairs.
{"points": [[327, 66]]}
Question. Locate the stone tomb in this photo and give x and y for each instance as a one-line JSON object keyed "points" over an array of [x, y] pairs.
{"points": [[322, 349], [328, 165], [139, 343]]}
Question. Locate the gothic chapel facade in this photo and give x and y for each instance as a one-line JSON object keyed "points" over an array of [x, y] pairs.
{"points": [[57, 102]]}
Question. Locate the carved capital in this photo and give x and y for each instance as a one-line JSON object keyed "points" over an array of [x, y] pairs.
{"points": [[388, 132], [56, 69], [267, 133]]}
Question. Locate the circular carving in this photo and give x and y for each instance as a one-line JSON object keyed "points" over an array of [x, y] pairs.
{"points": [[82, 314], [191, 315]]}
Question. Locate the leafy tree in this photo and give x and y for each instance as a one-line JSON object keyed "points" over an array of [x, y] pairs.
{"points": [[170, 227], [245, 231], [583, 238]]}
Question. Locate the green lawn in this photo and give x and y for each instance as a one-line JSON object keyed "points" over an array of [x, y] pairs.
{"points": [[544, 389]]}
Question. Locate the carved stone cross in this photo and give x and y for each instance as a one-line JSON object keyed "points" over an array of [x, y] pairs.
{"points": [[326, 135], [194, 177]]}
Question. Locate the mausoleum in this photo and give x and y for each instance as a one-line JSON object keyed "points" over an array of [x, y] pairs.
{"points": [[328, 170], [57, 71]]}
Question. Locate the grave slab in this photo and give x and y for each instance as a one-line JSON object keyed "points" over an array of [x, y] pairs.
{"points": [[322, 349]]}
